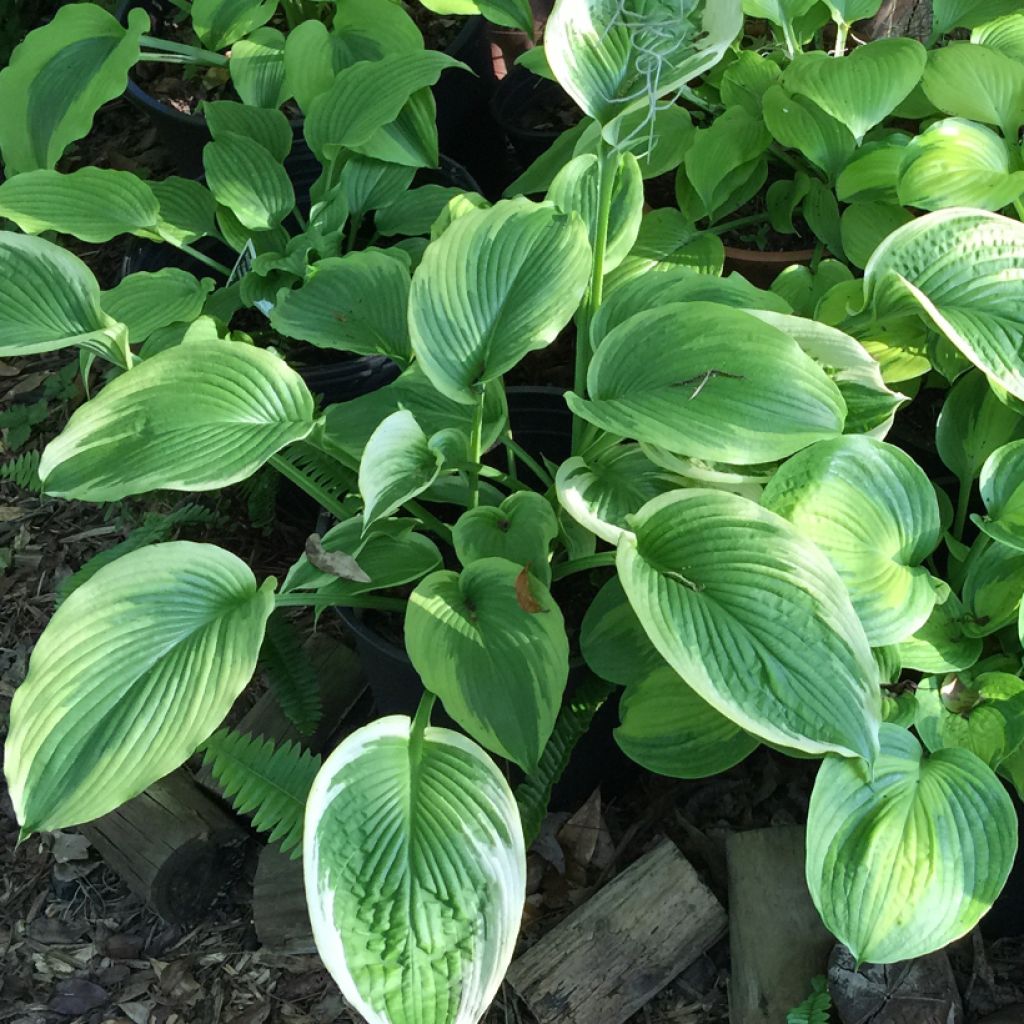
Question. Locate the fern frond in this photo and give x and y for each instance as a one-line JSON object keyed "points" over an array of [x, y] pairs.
{"points": [[318, 474], [271, 783], [534, 793], [815, 1008], [260, 493], [290, 673], [23, 471]]}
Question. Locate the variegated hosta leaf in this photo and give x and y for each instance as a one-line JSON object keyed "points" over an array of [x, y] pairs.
{"points": [[612, 640], [908, 855], [136, 668], [195, 417], [873, 511], [755, 619], [490, 642], [1002, 491], [942, 644], [415, 873], [992, 587]]}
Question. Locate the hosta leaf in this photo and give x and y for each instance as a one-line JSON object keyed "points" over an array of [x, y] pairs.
{"points": [[146, 301], [950, 14], [863, 87], [941, 644], [849, 11], [519, 530], [411, 138], [136, 668], [708, 381], [963, 271], [872, 510], [1002, 491], [601, 50], [415, 212], [746, 81], [906, 857], [779, 12], [247, 179], [668, 240], [612, 640], [668, 729], [65, 308], [497, 284], [799, 123], [369, 184], [499, 669], [992, 587], [195, 417], [421, 928], [187, 210], [872, 174], [1005, 34], [958, 163], [602, 491], [657, 144], [356, 303], [219, 23], [313, 55], [270, 128], [864, 226], [755, 619], [59, 76], [257, 68]]}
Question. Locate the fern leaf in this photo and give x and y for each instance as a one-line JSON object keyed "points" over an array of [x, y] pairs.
{"points": [[23, 472], [271, 783], [815, 1008], [261, 498], [534, 793], [318, 474], [290, 673]]}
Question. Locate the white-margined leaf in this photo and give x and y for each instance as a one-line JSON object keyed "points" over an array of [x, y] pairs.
{"points": [[1002, 491]]}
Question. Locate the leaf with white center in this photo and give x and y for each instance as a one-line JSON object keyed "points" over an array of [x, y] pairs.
{"points": [[66, 307], [668, 729], [219, 23], [146, 301], [257, 68], [576, 189], [499, 669], [942, 644], [1002, 491], [58, 77], [354, 303], [992, 587], [862, 88], [270, 128], [420, 927], [136, 668], [872, 510], [907, 855], [958, 163], [92, 204], [195, 417], [615, 57], [398, 463], [602, 491], [248, 180], [708, 381], [496, 285], [187, 210], [799, 123], [755, 619], [519, 530], [962, 271]]}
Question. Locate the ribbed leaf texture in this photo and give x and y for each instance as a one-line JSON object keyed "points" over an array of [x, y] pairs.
{"points": [[290, 673], [23, 471], [269, 782], [533, 794], [815, 1008]]}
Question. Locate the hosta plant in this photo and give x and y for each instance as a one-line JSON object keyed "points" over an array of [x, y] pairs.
{"points": [[759, 563]]}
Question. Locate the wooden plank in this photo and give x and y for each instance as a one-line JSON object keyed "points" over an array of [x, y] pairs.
{"points": [[611, 955], [776, 938], [279, 904]]}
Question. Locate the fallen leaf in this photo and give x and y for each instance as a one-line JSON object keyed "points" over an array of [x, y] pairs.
{"points": [[585, 836], [68, 846], [334, 563], [77, 996]]}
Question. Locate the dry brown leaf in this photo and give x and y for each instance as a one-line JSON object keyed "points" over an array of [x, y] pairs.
{"points": [[334, 563]]}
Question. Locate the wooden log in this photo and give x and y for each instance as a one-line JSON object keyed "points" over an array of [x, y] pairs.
{"points": [[621, 947], [776, 938], [172, 845], [912, 18], [279, 904]]}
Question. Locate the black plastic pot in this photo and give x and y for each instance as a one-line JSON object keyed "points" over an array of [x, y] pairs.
{"points": [[517, 102]]}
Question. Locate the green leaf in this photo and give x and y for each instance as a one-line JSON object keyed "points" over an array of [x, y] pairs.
{"points": [[499, 669], [355, 303], [187, 210], [519, 530], [257, 68], [247, 179], [958, 163], [658, 144], [799, 123], [871, 176], [313, 55], [668, 729], [421, 931], [667, 240], [146, 301], [289, 673], [59, 76], [821, 211], [755, 619], [270, 128], [746, 81], [66, 306], [695, 397], [992, 587], [942, 643], [136, 668], [267, 781], [849, 11], [950, 14], [92, 203], [864, 226], [195, 417], [907, 857], [977, 83], [1002, 491], [576, 189], [496, 285], [612, 640], [601, 51], [219, 23], [415, 212], [398, 463], [862, 88], [779, 12], [372, 184], [960, 270], [366, 96], [1005, 34], [411, 138], [872, 511]]}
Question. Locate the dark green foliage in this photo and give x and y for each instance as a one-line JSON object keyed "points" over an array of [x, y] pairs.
{"points": [[290, 673], [815, 1008], [269, 782], [23, 471]]}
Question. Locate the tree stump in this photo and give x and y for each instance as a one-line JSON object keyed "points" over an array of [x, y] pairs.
{"points": [[279, 904], [911, 18]]}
